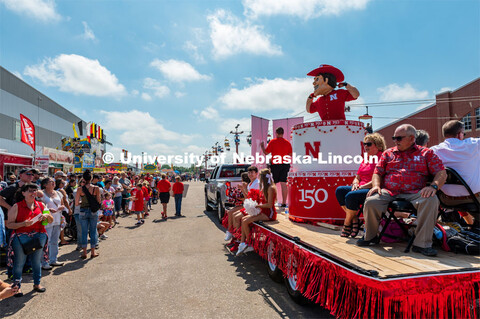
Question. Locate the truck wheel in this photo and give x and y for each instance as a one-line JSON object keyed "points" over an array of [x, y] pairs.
{"points": [[291, 284], [207, 207], [273, 271], [220, 211]]}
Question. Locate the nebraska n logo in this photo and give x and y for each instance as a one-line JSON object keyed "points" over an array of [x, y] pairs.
{"points": [[416, 158], [333, 97]]}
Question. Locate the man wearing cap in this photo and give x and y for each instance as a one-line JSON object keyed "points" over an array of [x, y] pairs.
{"points": [[331, 103]]}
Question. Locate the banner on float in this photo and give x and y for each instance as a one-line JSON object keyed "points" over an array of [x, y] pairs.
{"points": [[259, 134], [287, 125]]}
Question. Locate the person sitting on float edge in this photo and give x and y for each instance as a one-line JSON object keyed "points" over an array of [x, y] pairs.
{"points": [[421, 138], [331, 104], [463, 155], [268, 194], [403, 171], [351, 197]]}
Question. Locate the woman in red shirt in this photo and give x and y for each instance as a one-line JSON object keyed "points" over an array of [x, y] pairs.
{"points": [[352, 197], [25, 218], [178, 193], [164, 187]]}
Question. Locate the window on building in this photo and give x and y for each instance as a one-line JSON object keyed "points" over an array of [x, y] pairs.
{"points": [[17, 131], [468, 122], [477, 118]]}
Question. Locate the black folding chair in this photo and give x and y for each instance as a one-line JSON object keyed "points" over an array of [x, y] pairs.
{"points": [[472, 208], [398, 205]]}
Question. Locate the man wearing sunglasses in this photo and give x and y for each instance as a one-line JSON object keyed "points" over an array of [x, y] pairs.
{"points": [[403, 172]]}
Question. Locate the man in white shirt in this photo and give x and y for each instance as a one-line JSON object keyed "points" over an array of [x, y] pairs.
{"points": [[463, 155]]}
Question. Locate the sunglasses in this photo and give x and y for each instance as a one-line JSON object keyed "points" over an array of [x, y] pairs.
{"points": [[368, 143], [29, 174], [31, 190], [398, 138]]}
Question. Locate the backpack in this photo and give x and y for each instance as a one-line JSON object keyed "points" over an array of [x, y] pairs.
{"points": [[465, 242]]}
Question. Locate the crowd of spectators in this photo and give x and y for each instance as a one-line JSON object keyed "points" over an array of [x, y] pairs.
{"points": [[37, 211]]}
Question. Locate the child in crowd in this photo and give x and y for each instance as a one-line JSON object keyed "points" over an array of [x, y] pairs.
{"points": [[268, 194], [146, 197], [178, 194], [128, 201], [102, 226], [150, 196], [138, 206], [107, 206]]}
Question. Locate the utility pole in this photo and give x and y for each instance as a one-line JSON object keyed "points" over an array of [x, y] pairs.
{"points": [[236, 133]]}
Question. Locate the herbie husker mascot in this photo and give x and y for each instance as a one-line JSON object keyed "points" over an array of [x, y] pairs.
{"points": [[331, 103]]}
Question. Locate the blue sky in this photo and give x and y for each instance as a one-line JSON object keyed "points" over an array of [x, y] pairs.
{"points": [[169, 77]]}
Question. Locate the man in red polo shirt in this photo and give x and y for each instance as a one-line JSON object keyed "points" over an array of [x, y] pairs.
{"points": [[403, 172], [331, 103], [279, 147]]}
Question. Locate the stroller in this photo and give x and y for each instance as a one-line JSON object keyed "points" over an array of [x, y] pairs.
{"points": [[155, 196], [70, 229]]}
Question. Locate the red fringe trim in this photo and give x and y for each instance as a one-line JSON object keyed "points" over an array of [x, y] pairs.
{"points": [[349, 295]]}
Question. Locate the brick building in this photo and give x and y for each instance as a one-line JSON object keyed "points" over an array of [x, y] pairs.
{"points": [[462, 104]]}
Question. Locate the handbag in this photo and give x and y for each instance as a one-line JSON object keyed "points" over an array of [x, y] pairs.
{"points": [[31, 245], [92, 201]]}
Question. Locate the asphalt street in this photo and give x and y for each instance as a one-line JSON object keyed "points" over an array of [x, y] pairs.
{"points": [[177, 268]]}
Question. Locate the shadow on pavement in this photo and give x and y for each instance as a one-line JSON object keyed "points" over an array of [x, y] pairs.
{"points": [[252, 268], [12, 305]]}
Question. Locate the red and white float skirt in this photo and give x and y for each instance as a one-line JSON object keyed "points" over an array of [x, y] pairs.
{"points": [[336, 151]]}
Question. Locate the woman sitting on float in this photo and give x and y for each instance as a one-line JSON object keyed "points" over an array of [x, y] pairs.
{"points": [[352, 197], [267, 197]]}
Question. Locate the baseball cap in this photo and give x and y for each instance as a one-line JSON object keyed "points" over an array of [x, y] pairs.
{"points": [[24, 170]]}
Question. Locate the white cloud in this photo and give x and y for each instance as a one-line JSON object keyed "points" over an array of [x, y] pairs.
{"points": [[76, 74], [87, 32], [178, 71], [179, 94], [231, 36], [209, 113], [228, 124], [43, 10], [143, 132], [158, 89], [395, 92], [146, 96], [445, 89], [305, 9], [134, 92], [192, 49], [266, 95]]}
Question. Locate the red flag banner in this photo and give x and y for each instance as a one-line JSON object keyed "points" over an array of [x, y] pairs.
{"points": [[28, 131]]}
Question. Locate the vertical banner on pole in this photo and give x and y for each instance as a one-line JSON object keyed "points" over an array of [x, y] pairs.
{"points": [[259, 134], [27, 131], [287, 125]]}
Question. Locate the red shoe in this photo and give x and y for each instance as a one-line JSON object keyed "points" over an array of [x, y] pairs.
{"points": [[232, 243]]}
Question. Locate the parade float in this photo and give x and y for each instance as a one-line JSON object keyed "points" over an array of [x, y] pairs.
{"points": [[319, 266]]}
